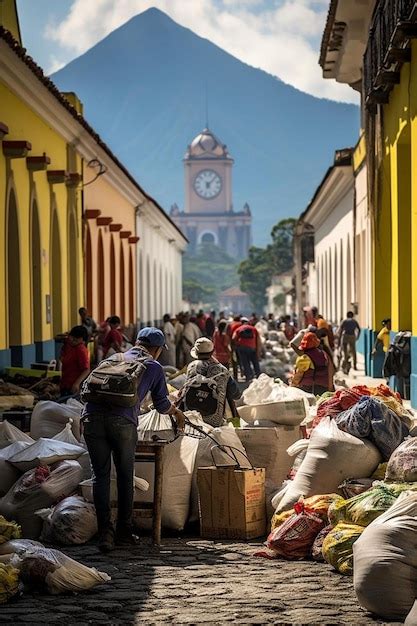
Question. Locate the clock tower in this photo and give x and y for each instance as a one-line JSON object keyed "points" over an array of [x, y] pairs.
{"points": [[208, 216]]}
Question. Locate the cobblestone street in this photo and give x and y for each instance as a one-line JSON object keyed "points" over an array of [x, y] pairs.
{"points": [[196, 581]]}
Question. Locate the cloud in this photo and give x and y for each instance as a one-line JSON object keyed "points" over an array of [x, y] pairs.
{"points": [[282, 39]]}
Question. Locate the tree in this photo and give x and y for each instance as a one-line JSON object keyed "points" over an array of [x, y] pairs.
{"points": [[262, 264], [255, 275], [206, 273]]}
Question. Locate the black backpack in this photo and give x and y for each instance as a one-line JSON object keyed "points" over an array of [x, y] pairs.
{"points": [[398, 360], [201, 394], [246, 333], [114, 381]]}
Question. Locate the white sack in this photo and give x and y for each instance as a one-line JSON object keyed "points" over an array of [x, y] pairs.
{"points": [[67, 436], [179, 460], [8, 473], [67, 575], [332, 457], [28, 495], [9, 434], [49, 418], [72, 521], [45, 452], [385, 561]]}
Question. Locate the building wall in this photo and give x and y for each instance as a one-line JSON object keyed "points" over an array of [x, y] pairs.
{"points": [[334, 260], [159, 267], [40, 239], [110, 257]]}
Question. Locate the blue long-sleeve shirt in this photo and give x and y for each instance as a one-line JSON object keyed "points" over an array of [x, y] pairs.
{"points": [[153, 380]]}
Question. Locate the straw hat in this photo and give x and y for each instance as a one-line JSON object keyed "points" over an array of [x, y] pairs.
{"points": [[202, 349]]}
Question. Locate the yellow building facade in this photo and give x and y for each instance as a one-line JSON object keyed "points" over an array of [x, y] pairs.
{"points": [[41, 263]]}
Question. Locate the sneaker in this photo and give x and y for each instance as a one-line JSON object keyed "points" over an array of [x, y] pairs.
{"points": [[126, 537], [106, 540]]}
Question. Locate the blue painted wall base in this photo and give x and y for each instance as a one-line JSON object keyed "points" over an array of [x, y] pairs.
{"points": [[24, 356]]}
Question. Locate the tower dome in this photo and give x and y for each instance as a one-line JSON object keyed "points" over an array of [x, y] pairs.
{"points": [[205, 146]]}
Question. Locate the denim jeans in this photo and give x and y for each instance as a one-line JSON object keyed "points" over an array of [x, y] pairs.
{"points": [[248, 359], [107, 436]]}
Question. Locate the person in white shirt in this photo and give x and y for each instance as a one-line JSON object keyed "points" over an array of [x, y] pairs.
{"points": [[169, 332]]}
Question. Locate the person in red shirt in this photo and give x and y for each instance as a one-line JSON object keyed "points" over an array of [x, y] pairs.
{"points": [[75, 361], [222, 341], [248, 347], [114, 338]]}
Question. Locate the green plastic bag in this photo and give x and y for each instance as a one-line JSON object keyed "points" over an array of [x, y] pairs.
{"points": [[337, 547]]}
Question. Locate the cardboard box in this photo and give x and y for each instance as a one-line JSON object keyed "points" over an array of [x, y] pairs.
{"points": [[267, 447], [232, 502]]}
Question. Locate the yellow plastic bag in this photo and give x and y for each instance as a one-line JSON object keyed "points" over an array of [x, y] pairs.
{"points": [[9, 582], [9, 530], [317, 504], [338, 547]]}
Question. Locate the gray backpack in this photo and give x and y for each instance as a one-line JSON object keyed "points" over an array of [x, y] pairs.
{"points": [[114, 381]]}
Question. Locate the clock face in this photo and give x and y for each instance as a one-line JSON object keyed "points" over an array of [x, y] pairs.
{"points": [[207, 184]]}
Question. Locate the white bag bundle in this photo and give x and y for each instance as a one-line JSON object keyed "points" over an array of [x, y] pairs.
{"points": [[179, 460], [71, 521], [332, 457], [37, 489], [8, 473], [62, 574], [9, 434], [385, 561], [67, 436], [45, 452], [49, 418]]}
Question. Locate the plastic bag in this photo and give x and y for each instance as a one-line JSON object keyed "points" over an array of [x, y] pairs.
{"points": [[9, 582], [373, 420], [8, 473], [9, 530], [318, 504], [37, 489], [402, 465], [18, 546], [385, 561], [10, 434], [71, 521], [411, 619], [355, 486], [67, 436], [49, 418], [295, 537], [45, 452], [317, 549], [332, 456], [338, 546], [365, 507], [58, 572]]}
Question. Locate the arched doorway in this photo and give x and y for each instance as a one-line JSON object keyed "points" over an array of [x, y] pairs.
{"points": [[101, 285], [13, 274], [89, 271], [156, 288], [147, 294], [56, 276], [73, 270], [36, 274], [112, 278], [122, 312], [131, 290]]}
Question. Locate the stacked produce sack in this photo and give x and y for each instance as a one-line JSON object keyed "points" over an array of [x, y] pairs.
{"points": [[353, 497]]}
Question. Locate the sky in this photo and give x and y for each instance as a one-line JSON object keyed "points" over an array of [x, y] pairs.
{"points": [[281, 37]]}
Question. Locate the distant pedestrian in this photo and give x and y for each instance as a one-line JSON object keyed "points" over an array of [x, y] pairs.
{"points": [[222, 344], [190, 334], [169, 332], [113, 340], [383, 338], [210, 325], [248, 348], [75, 361], [88, 322], [311, 372], [349, 332]]}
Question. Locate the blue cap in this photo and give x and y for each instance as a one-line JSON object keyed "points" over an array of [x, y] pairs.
{"points": [[152, 337]]}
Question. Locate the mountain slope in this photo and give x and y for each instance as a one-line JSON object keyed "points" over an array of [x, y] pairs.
{"points": [[143, 89]]}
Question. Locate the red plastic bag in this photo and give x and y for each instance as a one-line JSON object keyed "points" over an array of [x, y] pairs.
{"points": [[295, 537]]}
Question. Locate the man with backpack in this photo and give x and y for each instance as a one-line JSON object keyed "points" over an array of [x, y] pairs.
{"points": [[247, 344], [112, 394], [209, 385]]}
